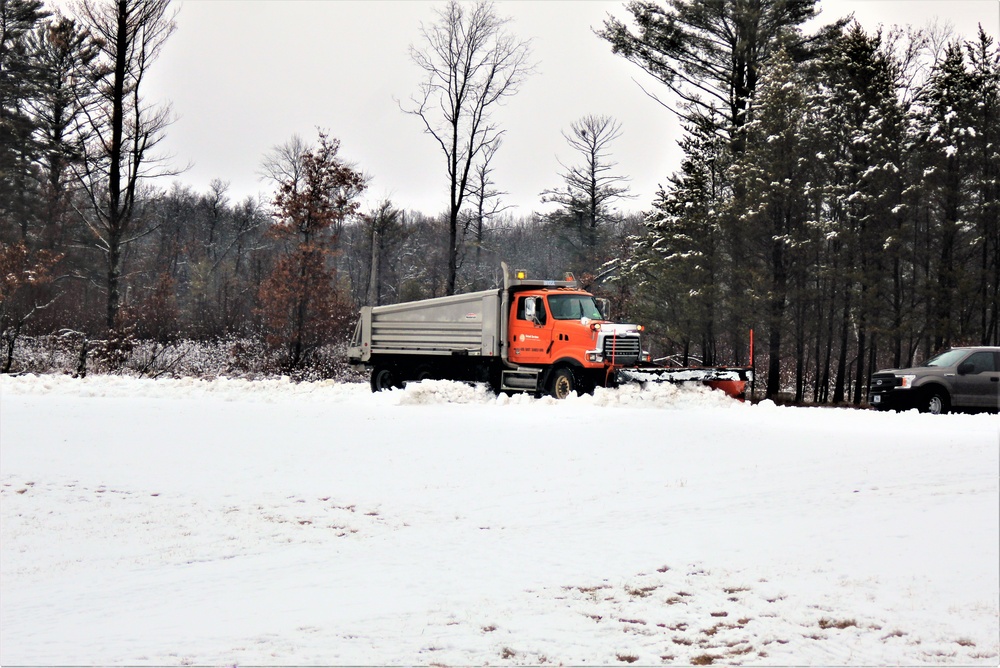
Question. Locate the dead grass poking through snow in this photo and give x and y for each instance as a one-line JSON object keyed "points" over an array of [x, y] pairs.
{"points": [[684, 613], [704, 659]]}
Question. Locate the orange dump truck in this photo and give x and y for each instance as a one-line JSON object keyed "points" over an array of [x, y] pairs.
{"points": [[537, 336]]}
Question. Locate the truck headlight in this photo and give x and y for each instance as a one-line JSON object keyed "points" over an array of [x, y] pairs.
{"points": [[906, 381]]}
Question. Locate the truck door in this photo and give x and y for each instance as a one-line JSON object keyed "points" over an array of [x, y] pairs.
{"points": [[530, 333], [978, 381]]}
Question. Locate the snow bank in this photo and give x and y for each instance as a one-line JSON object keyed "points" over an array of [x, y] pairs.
{"points": [[659, 395], [227, 389]]}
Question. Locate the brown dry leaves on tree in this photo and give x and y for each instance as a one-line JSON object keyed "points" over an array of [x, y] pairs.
{"points": [[301, 307], [25, 288]]}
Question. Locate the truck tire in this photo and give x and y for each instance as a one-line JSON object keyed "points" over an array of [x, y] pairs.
{"points": [[383, 378], [423, 372], [935, 400], [563, 383]]}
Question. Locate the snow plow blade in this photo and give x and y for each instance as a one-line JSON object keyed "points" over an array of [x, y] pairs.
{"points": [[734, 381]]}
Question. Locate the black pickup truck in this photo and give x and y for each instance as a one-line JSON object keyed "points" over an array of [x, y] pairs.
{"points": [[959, 378]]}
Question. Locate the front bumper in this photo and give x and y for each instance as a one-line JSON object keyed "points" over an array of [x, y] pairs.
{"points": [[886, 391], [891, 399], [616, 349]]}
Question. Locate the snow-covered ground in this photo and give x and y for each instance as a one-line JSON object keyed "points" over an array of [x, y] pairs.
{"points": [[233, 522]]}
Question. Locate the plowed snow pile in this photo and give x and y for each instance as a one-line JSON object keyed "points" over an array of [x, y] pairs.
{"points": [[179, 522]]}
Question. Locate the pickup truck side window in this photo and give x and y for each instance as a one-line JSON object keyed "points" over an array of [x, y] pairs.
{"points": [[981, 362]]}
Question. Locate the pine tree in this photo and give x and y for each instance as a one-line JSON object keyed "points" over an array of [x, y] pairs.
{"points": [[984, 62], [865, 144], [772, 204], [945, 153], [18, 150], [64, 54], [679, 263], [710, 55], [589, 190]]}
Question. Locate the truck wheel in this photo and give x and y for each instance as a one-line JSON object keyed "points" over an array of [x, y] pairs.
{"points": [[935, 401], [424, 372], [383, 378], [563, 383], [415, 375]]}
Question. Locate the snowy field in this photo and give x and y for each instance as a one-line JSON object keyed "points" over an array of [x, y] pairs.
{"points": [[178, 522]]}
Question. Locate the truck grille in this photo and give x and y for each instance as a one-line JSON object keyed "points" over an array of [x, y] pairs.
{"points": [[622, 350], [883, 382]]}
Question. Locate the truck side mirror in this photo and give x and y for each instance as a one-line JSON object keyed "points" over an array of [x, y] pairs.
{"points": [[965, 368], [529, 309], [604, 306]]}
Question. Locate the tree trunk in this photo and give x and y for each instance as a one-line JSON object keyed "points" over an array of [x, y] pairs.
{"points": [[774, 354], [859, 377], [115, 155], [114, 279], [776, 318], [300, 312], [800, 354], [11, 339], [841, 380], [373, 276]]}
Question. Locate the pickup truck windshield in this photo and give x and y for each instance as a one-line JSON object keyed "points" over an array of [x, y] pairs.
{"points": [[947, 358], [573, 307]]}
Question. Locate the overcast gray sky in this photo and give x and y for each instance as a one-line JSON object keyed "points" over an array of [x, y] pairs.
{"points": [[245, 76]]}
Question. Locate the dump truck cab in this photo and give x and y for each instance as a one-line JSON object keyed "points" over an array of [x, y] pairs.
{"points": [[563, 331]]}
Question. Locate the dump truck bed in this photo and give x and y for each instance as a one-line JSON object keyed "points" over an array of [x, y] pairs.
{"points": [[467, 324]]}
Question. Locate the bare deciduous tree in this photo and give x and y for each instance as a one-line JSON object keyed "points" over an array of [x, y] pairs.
{"points": [[486, 206], [25, 279], [283, 163], [124, 128], [472, 63]]}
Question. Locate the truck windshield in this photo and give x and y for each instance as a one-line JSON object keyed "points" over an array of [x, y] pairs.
{"points": [[947, 358], [573, 307]]}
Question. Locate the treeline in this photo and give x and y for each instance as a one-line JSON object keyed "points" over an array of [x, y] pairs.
{"points": [[846, 205], [93, 251], [838, 195]]}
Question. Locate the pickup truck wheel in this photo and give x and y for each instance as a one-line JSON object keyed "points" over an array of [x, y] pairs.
{"points": [[383, 378], [935, 401], [563, 383]]}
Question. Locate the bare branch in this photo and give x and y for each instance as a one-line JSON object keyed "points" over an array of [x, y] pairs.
{"points": [[472, 63]]}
